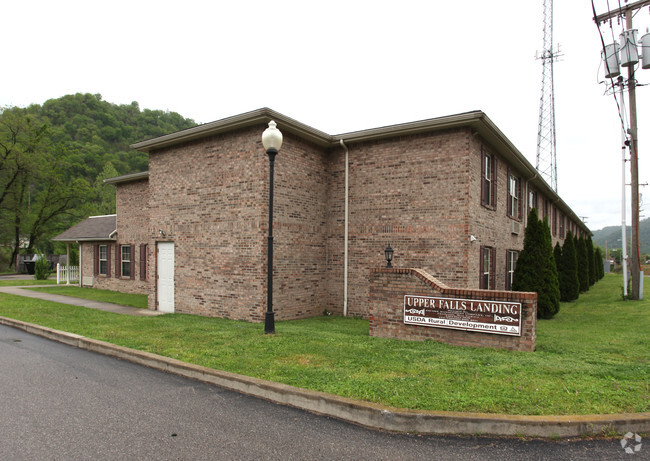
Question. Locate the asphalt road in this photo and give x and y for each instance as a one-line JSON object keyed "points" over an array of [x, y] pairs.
{"points": [[63, 403]]}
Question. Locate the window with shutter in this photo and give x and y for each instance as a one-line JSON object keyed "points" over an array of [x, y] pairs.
{"points": [[125, 260], [488, 179]]}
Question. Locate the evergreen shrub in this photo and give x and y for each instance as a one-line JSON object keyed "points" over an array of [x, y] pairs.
{"points": [[536, 270]]}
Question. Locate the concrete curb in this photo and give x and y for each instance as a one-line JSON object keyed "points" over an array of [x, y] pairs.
{"points": [[362, 413]]}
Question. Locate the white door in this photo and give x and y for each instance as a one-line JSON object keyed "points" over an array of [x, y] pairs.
{"points": [[166, 277]]}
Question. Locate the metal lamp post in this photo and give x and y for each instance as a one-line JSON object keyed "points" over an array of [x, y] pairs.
{"points": [[272, 141]]}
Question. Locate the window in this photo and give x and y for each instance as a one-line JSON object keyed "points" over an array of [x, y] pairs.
{"points": [[511, 263], [487, 268], [514, 194], [554, 222], [546, 206], [562, 231], [488, 180], [126, 261], [103, 259], [532, 200]]}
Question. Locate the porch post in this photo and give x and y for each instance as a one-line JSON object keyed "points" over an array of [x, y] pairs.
{"points": [[67, 267]]}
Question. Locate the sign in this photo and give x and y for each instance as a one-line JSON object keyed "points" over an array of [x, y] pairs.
{"points": [[499, 317]]}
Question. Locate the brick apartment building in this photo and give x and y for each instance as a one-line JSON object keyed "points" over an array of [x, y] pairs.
{"points": [[450, 195]]}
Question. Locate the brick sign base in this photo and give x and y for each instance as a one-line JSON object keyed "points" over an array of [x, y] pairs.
{"points": [[389, 287]]}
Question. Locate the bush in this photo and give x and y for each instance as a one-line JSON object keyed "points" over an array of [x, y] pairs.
{"points": [[41, 268], [593, 275], [536, 270], [568, 273], [600, 264], [583, 264]]}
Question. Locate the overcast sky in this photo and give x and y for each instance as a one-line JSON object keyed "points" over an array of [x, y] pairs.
{"points": [[341, 66]]}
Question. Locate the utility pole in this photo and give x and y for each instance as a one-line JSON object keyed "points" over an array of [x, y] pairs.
{"points": [[635, 257], [623, 185]]}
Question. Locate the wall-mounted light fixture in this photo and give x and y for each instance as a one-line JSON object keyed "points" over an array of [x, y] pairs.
{"points": [[388, 253], [472, 238], [161, 232]]}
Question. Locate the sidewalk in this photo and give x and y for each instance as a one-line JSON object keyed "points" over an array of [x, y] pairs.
{"points": [[118, 309]]}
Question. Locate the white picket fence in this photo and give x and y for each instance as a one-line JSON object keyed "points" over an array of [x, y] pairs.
{"points": [[62, 274]]}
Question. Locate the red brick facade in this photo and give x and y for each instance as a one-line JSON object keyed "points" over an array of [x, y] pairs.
{"points": [[133, 231], [416, 187]]}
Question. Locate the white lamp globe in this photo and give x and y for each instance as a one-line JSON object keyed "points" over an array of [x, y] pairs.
{"points": [[272, 137]]}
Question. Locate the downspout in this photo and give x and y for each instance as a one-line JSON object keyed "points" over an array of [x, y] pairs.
{"points": [[345, 233]]}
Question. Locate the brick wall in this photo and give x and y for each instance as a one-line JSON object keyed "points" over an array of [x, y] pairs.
{"points": [[491, 227], [418, 193], [300, 229], [132, 202], [86, 255], [386, 310], [210, 197], [410, 192]]}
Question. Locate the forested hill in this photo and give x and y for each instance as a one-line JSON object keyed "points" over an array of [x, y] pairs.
{"points": [[610, 236], [53, 158], [95, 132]]}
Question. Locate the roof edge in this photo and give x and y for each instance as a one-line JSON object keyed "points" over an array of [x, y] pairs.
{"points": [[476, 120], [126, 178], [96, 239], [405, 129], [255, 117]]}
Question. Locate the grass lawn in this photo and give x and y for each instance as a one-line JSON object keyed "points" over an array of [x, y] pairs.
{"points": [[124, 299], [16, 283], [593, 357]]}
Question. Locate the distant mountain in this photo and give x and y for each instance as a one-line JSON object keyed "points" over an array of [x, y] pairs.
{"points": [[610, 236]]}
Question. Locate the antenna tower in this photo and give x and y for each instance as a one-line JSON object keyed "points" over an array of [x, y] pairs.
{"points": [[546, 129]]}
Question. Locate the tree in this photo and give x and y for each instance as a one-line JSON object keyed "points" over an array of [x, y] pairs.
{"points": [[600, 263], [557, 254], [54, 157], [22, 139], [583, 264], [105, 192], [568, 274], [593, 276], [536, 270], [35, 190]]}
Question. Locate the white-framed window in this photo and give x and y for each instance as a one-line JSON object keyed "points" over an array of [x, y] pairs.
{"points": [[488, 180], [126, 260], [103, 259], [532, 200], [514, 196], [511, 264]]}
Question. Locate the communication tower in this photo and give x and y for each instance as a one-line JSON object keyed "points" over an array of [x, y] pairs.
{"points": [[546, 164]]}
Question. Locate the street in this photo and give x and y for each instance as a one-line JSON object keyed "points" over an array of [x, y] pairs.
{"points": [[62, 403]]}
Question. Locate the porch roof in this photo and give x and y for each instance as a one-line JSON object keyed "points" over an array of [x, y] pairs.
{"points": [[94, 228]]}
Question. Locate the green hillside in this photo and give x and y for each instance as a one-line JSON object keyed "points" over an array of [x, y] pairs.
{"points": [[54, 156], [611, 236]]}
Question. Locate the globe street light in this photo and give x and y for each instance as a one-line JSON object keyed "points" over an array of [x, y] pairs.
{"points": [[272, 141]]}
